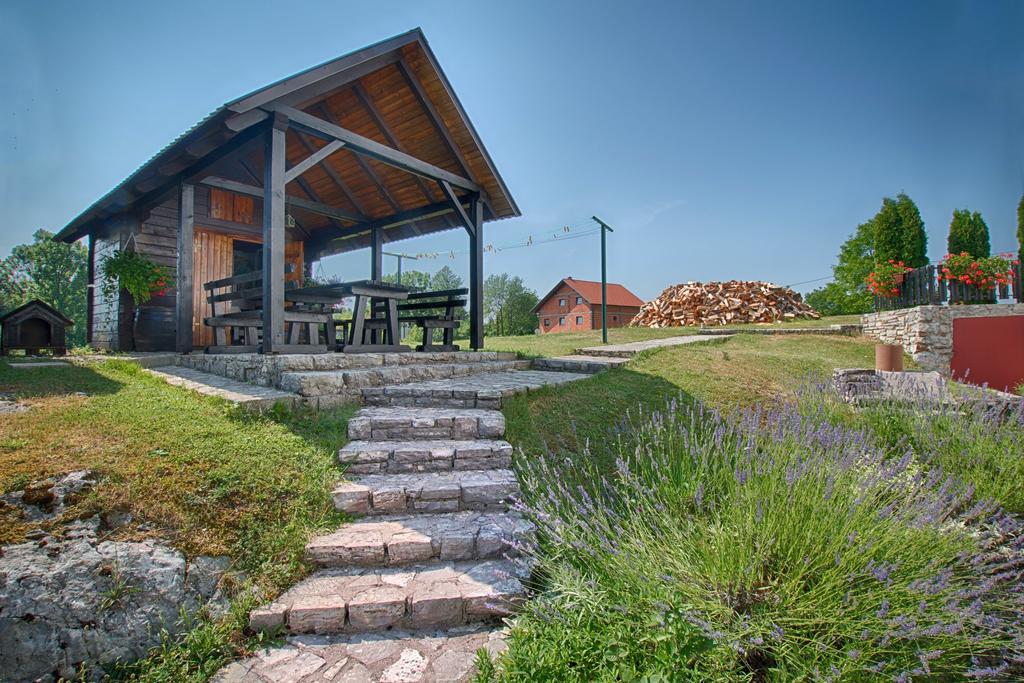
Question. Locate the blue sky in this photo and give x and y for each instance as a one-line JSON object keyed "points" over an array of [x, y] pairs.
{"points": [[721, 139]]}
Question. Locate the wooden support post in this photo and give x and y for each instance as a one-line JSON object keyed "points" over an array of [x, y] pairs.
{"points": [[183, 282], [90, 301], [376, 253], [476, 273], [273, 234]]}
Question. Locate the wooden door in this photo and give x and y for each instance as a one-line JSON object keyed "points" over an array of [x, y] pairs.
{"points": [[211, 260]]}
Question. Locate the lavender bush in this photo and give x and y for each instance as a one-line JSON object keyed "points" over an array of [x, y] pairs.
{"points": [[770, 545]]}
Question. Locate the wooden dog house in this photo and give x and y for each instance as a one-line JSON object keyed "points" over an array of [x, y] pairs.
{"points": [[34, 327]]}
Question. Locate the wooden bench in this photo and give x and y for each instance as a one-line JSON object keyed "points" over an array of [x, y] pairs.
{"points": [[432, 311], [238, 319]]}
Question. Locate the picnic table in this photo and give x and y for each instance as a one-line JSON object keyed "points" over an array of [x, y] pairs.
{"points": [[374, 334]]}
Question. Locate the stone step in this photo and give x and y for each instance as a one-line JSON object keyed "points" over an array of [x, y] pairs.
{"points": [[432, 656], [483, 390], [397, 457], [248, 396], [579, 363], [439, 595], [326, 382], [429, 492], [404, 424], [397, 540]]}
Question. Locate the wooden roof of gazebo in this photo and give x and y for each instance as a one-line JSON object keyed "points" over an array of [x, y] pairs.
{"points": [[378, 139]]}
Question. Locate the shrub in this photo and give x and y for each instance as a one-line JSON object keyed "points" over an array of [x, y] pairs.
{"points": [[767, 546]]}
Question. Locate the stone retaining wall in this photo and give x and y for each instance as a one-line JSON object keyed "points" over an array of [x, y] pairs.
{"points": [[926, 332]]}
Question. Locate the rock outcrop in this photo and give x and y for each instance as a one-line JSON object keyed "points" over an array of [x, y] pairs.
{"points": [[79, 600]]}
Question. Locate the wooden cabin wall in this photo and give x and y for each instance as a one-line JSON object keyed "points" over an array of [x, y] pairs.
{"points": [[156, 237]]}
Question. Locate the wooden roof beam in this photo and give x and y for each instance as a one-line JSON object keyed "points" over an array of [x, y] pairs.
{"points": [[311, 206], [371, 148], [367, 169]]}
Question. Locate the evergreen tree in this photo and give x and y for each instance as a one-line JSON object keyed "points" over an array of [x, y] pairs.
{"points": [[1020, 228], [889, 233], [959, 239], [915, 240], [979, 236], [968, 232]]}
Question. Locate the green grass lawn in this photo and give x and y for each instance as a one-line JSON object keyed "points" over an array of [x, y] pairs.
{"points": [[727, 373], [560, 344], [197, 472]]}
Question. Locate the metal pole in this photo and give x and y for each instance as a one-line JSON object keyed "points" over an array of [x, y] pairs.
{"points": [[604, 280], [400, 257]]}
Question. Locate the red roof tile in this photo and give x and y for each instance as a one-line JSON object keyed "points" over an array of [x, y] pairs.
{"points": [[591, 292]]}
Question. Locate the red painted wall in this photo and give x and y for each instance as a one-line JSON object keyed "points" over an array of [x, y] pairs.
{"points": [[991, 349], [552, 311]]}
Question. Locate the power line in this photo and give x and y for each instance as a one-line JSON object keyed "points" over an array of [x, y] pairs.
{"points": [[807, 282]]}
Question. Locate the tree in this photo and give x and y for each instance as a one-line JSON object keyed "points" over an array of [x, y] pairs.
{"points": [[968, 233], [915, 239], [899, 232], [508, 306], [1020, 228], [847, 293], [446, 278], [888, 228], [54, 272], [416, 280]]}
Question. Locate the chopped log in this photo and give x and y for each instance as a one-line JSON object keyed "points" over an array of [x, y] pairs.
{"points": [[722, 303]]}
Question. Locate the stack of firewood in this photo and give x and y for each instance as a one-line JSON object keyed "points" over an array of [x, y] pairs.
{"points": [[722, 303]]}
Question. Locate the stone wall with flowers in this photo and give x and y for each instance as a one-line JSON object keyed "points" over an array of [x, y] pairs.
{"points": [[926, 332]]}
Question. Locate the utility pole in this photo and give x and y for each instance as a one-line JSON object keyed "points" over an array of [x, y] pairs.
{"points": [[604, 279], [400, 257]]}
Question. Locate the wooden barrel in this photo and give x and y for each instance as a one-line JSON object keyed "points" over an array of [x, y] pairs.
{"points": [[154, 328]]}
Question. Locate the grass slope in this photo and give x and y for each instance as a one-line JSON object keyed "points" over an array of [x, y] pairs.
{"points": [[738, 371], [562, 343]]}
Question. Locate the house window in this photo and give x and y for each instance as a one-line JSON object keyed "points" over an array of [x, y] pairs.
{"points": [[561, 302], [561, 321], [615, 318], [547, 322], [579, 300], [579, 320]]}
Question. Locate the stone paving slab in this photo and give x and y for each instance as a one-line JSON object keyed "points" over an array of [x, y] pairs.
{"points": [[404, 424], [426, 492], [358, 600], [319, 382], [392, 657], [396, 457], [396, 540], [242, 393], [485, 390], [588, 365], [632, 348]]}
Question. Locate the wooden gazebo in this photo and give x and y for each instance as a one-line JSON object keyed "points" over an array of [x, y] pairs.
{"points": [[369, 148]]}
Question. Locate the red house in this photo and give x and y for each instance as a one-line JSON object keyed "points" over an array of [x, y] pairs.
{"points": [[573, 305]]}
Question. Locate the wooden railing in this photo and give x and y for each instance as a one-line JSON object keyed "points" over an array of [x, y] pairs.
{"points": [[922, 287]]}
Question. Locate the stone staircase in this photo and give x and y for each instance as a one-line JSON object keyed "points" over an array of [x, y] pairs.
{"points": [[434, 546]]}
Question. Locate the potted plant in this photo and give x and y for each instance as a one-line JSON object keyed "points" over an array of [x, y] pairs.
{"points": [[886, 278], [985, 273], [153, 327]]}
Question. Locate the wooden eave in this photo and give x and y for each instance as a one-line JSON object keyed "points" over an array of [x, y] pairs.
{"points": [[392, 94]]}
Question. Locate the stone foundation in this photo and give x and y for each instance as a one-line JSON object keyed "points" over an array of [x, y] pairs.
{"points": [[926, 332]]}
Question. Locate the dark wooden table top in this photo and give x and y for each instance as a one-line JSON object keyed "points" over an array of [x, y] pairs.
{"points": [[342, 290]]}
